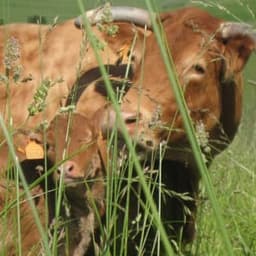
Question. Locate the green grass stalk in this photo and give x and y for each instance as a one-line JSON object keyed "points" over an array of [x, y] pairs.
{"points": [[18, 214]]}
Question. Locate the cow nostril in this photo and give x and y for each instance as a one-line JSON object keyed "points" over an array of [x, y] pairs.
{"points": [[149, 143], [67, 167], [59, 170], [70, 167]]}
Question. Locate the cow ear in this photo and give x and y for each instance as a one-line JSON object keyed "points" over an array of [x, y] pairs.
{"points": [[128, 43], [239, 40]]}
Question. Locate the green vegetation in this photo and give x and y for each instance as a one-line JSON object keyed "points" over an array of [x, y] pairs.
{"points": [[18, 11], [232, 173], [21, 10]]}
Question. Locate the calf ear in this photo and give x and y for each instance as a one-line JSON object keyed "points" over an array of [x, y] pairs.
{"points": [[28, 144], [239, 40]]}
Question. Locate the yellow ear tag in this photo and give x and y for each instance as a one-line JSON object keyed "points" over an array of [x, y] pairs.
{"points": [[34, 150]]}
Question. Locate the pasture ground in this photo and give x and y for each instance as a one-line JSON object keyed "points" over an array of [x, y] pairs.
{"points": [[233, 173]]}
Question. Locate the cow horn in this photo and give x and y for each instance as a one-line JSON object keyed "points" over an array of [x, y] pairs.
{"points": [[138, 16], [233, 29]]}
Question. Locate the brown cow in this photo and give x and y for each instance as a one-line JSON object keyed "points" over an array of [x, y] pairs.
{"points": [[209, 55], [73, 144]]}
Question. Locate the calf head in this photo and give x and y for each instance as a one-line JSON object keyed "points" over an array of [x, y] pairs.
{"points": [[208, 56], [72, 146], [72, 143]]}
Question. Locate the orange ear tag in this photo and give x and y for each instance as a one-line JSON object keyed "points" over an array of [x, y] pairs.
{"points": [[34, 151]]}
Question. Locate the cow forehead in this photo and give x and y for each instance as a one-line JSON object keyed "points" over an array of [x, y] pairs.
{"points": [[198, 45], [190, 28], [196, 19], [77, 128], [77, 142]]}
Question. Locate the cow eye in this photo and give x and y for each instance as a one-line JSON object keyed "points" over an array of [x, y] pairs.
{"points": [[199, 69]]}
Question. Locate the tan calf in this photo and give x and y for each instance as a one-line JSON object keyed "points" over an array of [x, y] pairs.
{"points": [[73, 143]]}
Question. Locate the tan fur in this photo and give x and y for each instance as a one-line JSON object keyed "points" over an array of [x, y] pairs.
{"points": [[53, 53], [30, 236], [209, 71]]}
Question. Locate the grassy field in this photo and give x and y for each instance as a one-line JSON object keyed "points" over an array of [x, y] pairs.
{"points": [[233, 172]]}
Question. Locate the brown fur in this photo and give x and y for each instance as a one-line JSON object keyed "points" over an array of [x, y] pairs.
{"points": [[31, 240], [209, 70], [30, 235], [53, 53]]}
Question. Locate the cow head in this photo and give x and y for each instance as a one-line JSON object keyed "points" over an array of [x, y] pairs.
{"points": [[72, 143], [209, 56]]}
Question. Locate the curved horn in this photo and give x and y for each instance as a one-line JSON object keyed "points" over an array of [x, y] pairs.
{"points": [[240, 40], [234, 29], [138, 16]]}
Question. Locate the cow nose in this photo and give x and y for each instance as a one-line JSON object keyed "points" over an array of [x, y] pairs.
{"points": [[67, 168]]}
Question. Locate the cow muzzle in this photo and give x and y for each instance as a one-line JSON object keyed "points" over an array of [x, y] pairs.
{"points": [[138, 127], [69, 172]]}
